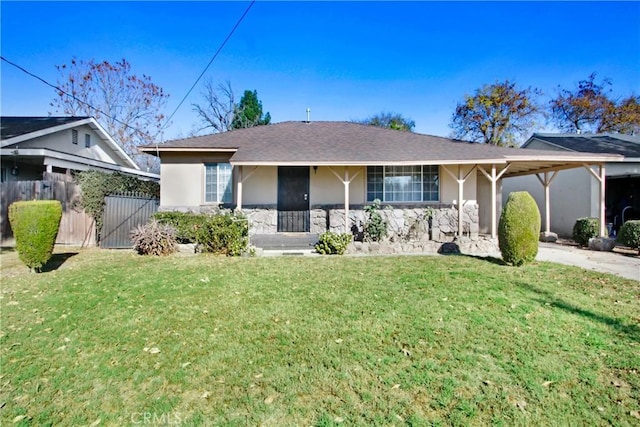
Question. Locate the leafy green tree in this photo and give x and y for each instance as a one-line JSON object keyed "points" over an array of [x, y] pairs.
{"points": [[496, 114], [393, 121], [248, 112], [127, 105]]}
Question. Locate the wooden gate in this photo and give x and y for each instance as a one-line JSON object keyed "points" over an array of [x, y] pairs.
{"points": [[122, 213], [76, 227]]}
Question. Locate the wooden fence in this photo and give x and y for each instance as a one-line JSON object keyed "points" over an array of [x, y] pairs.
{"points": [[122, 213], [76, 227]]}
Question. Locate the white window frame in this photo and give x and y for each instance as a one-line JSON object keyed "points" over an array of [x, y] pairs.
{"points": [[223, 193], [384, 185], [74, 136], [87, 140]]}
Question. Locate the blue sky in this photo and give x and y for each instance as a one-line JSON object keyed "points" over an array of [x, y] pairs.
{"points": [[343, 60]]}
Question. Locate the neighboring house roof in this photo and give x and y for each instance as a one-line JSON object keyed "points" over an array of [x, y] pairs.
{"points": [[610, 143], [347, 143], [14, 130], [11, 127]]}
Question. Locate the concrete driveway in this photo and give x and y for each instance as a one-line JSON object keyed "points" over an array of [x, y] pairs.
{"points": [[620, 264]]}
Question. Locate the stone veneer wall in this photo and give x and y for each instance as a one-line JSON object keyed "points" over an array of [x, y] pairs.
{"points": [[404, 224]]}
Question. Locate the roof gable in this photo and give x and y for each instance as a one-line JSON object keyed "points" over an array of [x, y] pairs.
{"points": [[18, 129], [11, 127]]}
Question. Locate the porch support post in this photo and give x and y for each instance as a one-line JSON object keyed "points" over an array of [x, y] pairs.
{"points": [[346, 200], [546, 183], [461, 178], [494, 177], [241, 179], [239, 190], [346, 181], [601, 177], [460, 200]]}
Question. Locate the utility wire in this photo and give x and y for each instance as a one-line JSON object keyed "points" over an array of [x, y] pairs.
{"points": [[57, 88], [210, 62]]}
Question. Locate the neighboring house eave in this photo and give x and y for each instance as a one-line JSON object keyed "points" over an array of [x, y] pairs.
{"points": [[91, 122], [154, 150], [544, 141], [83, 163]]}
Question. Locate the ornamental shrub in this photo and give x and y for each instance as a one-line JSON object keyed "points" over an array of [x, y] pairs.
{"points": [[224, 233], [35, 226], [154, 238], [185, 223], [333, 243], [519, 229], [584, 229], [375, 227], [629, 234]]}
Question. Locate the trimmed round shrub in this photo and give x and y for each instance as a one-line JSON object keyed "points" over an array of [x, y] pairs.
{"points": [[333, 243], [35, 226], [154, 238], [629, 234], [519, 229], [584, 229]]}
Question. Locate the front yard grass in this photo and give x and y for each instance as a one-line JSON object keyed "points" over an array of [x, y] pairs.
{"points": [[112, 338]]}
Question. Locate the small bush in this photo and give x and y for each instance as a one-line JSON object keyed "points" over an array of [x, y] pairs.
{"points": [[629, 234], [154, 238], [333, 243], [222, 233], [35, 226], [375, 227], [185, 223], [226, 234], [519, 229], [584, 229]]}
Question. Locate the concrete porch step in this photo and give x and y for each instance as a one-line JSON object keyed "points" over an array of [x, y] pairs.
{"points": [[285, 241]]}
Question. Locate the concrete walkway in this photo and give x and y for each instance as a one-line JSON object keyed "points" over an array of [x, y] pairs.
{"points": [[619, 264]]}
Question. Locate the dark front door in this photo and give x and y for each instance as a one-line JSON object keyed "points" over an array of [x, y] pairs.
{"points": [[293, 198]]}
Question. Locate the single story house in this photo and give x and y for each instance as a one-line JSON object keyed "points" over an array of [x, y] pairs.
{"points": [[32, 146], [573, 193], [317, 176]]}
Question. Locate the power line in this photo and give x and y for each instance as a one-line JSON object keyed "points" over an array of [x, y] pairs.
{"points": [[57, 88], [210, 62]]}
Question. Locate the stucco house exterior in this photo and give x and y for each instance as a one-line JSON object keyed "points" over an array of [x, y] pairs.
{"points": [[574, 193], [31, 146], [309, 177]]}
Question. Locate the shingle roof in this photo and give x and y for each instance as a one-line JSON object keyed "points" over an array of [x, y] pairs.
{"points": [[11, 127], [604, 143], [318, 143]]}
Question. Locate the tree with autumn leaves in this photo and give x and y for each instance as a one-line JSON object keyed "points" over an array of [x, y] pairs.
{"points": [[504, 115], [590, 108]]}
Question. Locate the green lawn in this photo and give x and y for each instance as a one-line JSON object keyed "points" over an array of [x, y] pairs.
{"points": [[112, 338]]}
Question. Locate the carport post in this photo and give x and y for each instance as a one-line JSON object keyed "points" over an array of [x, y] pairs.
{"points": [[494, 177], [601, 177], [546, 183], [603, 213]]}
